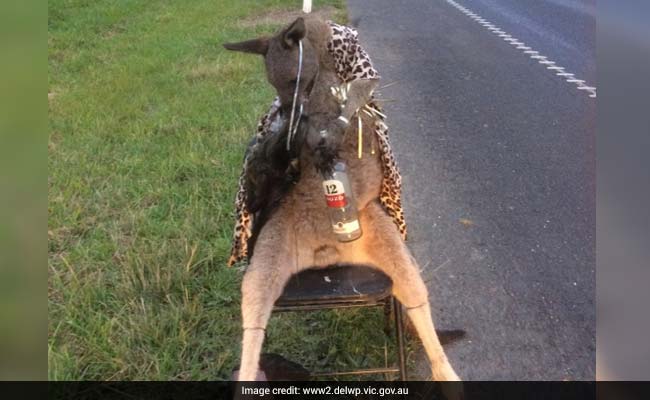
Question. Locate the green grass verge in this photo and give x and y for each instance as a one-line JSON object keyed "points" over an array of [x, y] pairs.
{"points": [[149, 118]]}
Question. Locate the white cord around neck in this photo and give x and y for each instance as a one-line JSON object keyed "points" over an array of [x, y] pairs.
{"points": [[292, 129]]}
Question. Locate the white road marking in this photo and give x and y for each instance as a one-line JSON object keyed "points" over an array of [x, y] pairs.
{"points": [[559, 71]]}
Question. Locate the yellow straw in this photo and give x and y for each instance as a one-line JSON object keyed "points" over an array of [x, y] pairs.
{"points": [[360, 125]]}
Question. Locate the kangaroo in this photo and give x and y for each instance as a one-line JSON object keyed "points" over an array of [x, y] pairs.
{"points": [[296, 233]]}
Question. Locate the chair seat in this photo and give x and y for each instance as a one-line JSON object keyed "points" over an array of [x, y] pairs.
{"points": [[335, 286]]}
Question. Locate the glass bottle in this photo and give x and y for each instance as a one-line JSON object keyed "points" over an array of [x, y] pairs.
{"points": [[341, 204]]}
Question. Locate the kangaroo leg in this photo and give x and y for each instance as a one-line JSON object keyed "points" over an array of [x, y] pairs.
{"points": [[265, 278], [384, 248]]}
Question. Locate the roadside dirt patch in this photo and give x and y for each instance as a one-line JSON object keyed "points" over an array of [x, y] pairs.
{"points": [[284, 16]]}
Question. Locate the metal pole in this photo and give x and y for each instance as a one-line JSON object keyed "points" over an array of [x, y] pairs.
{"points": [[306, 6]]}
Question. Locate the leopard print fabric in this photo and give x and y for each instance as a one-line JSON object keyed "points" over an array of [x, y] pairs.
{"points": [[243, 218], [390, 195], [351, 63]]}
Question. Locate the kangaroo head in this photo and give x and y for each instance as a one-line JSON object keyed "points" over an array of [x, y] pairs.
{"points": [[281, 57]]}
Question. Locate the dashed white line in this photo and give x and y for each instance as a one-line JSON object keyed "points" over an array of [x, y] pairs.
{"points": [[535, 55]]}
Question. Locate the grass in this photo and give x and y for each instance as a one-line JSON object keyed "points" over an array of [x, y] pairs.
{"points": [[149, 118]]}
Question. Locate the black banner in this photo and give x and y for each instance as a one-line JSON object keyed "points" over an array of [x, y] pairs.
{"points": [[323, 390]]}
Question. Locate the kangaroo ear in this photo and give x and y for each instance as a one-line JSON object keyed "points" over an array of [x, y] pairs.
{"points": [[294, 33], [254, 46]]}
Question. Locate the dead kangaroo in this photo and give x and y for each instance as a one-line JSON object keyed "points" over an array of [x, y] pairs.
{"points": [[296, 233]]}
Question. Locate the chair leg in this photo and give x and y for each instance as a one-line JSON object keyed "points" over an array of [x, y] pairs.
{"points": [[399, 328], [388, 310]]}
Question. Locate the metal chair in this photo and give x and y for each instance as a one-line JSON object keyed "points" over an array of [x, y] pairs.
{"points": [[346, 286]]}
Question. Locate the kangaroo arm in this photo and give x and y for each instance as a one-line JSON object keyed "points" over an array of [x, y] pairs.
{"points": [[359, 95]]}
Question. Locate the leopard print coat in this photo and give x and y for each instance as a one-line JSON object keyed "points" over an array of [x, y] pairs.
{"points": [[351, 63]]}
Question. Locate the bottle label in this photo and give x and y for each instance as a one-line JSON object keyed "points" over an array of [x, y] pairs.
{"points": [[334, 193], [343, 228]]}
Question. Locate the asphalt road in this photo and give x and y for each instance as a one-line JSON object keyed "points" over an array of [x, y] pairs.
{"points": [[498, 161]]}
